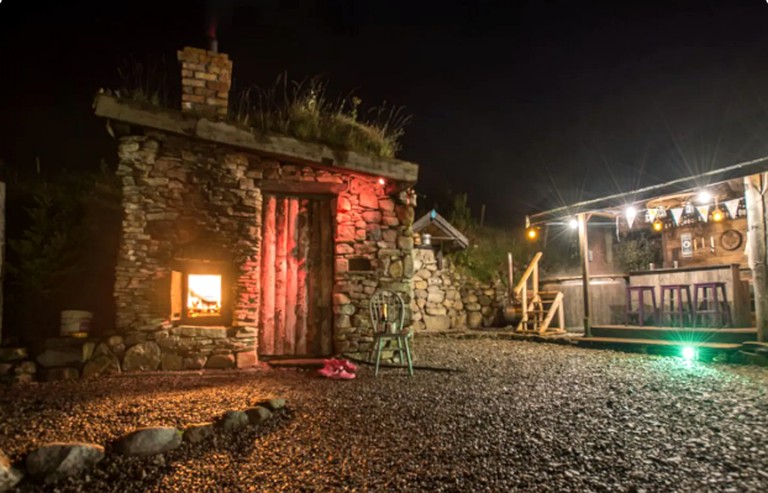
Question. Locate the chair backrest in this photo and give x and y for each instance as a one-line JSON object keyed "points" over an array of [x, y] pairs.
{"points": [[387, 311]]}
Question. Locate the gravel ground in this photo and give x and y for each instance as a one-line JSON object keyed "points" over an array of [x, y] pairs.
{"points": [[519, 417]]}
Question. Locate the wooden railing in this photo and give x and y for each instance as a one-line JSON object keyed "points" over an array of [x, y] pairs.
{"points": [[521, 289]]}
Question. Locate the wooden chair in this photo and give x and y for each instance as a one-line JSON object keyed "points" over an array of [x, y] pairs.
{"points": [[387, 318]]}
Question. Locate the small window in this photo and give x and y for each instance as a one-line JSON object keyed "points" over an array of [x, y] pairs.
{"points": [[360, 264]]}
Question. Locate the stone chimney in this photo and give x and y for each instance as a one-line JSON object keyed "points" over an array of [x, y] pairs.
{"points": [[205, 80]]}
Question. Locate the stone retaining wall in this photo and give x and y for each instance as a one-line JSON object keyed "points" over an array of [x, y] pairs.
{"points": [[446, 300]]}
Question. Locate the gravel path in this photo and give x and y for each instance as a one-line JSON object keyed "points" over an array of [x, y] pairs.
{"points": [[521, 416]]}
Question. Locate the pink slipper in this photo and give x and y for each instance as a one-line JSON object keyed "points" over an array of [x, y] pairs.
{"points": [[328, 370], [342, 374], [348, 366]]}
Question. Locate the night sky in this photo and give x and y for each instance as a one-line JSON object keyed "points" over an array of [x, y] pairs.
{"points": [[521, 104]]}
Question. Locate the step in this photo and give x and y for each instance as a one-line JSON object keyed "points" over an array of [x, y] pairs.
{"points": [[676, 334], [720, 346]]}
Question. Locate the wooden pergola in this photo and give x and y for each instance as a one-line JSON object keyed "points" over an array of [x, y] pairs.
{"points": [[753, 173]]}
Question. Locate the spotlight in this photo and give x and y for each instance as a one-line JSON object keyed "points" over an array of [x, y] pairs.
{"points": [[717, 216], [688, 353], [573, 223], [532, 234], [658, 225], [704, 197]]}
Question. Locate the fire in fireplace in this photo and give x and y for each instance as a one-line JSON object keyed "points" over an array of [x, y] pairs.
{"points": [[203, 295], [198, 294]]}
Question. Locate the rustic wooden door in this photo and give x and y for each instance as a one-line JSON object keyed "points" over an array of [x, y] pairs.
{"points": [[296, 316]]}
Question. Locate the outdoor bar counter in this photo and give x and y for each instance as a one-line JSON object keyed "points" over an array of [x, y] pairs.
{"points": [[736, 289]]}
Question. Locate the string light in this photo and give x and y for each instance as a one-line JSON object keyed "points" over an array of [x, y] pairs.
{"points": [[532, 233], [573, 223], [717, 216], [658, 225], [704, 197]]}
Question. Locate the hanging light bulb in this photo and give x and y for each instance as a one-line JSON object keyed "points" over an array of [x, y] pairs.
{"points": [[532, 233], [717, 216], [573, 223], [658, 225], [704, 197], [631, 213]]}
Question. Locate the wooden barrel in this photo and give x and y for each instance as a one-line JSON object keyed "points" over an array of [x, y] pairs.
{"points": [[75, 322]]}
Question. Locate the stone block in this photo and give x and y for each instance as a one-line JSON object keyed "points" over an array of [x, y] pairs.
{"points": [[55, 461], [437, 322], [8, 354], [171, 362], [474, 320], [60, 373], [247, 359], [233, 420], [144, 356], [221, 361], [196, 362], [198, 432], [258, 415], [368, 199], [102, 364], [149, 441]]}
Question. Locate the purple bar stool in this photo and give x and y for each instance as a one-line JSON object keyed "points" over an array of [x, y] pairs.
{"points": [[676, 310], [712, 308], [640, 311]]}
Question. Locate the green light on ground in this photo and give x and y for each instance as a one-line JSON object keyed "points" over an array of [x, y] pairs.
{"points": [[688, 353]]}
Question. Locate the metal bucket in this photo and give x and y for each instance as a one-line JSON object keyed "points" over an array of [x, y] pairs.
{"points": [[75, 322]]}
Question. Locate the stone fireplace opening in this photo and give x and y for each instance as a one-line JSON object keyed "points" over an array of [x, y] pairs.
{"points": [[199, 294]]}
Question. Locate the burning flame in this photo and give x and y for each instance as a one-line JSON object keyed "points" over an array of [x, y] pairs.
{"points": [[204, 295]]}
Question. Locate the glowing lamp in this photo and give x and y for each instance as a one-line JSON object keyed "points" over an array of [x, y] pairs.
{"points": [[382, 182], [532, 234], [704, 197], [717, 216], [573, 223], [658, 225], [688, 353]]}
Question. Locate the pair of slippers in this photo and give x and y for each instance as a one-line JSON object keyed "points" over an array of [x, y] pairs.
{"points": [[338, 369]]}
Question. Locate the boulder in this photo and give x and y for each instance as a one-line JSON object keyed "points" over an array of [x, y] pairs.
{"points": [[103, 364], [258, 415], [55, 461], [171, 362], [196, 362], [196, 433], [144, 356], [474, 320], [149, 441], [233, 420], [9, 476], [437, 322], [221, 361], [61, 357]]}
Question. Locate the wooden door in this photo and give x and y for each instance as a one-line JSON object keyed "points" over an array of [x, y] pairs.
{"points": [[296, 316]]}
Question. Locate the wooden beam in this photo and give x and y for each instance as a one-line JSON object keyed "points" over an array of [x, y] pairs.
{"points": [[227, 133], [301, 187], [583, 219], [756, 249]]}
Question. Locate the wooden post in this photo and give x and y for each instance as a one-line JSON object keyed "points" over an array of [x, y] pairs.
{"points": [[583, 219], [756, 250], [510, 277], [482, 215]]}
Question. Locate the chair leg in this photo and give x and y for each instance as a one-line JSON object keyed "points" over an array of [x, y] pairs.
{"points": [[408, 357], [378, 357]]}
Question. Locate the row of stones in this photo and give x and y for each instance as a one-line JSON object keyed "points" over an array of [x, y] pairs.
{"points": [[53, 462], [165, 348], [445, 300]]}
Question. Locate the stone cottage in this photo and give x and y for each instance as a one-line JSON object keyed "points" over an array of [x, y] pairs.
{"points": [[236, 244]]}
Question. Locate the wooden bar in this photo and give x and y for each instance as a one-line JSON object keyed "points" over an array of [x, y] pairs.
{"points": [[301, 279], [291, 281], [267, 311], [281, 227], [301, 187]]}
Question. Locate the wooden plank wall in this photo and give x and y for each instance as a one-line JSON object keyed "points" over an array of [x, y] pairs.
{"points": [[607, 295], [297, 252], [704, 233]]}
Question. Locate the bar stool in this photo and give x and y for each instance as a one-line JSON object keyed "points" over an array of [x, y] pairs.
{"points": [[712, 308], [640, 312], [678, 312]]}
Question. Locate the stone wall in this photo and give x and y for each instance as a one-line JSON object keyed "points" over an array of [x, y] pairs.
{"points": [[446, 300], [189, 199]]}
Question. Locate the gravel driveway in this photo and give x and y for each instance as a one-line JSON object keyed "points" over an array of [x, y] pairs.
{"points": [[519, 417]]}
